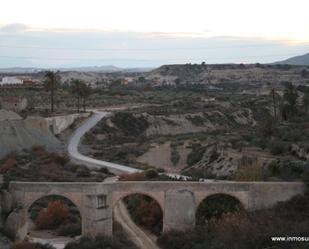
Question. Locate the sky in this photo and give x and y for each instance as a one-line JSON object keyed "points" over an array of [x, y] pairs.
{"points": [[148, 33]]}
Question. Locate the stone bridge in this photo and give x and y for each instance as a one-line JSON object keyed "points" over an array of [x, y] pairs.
{"points": [[178, 200]]}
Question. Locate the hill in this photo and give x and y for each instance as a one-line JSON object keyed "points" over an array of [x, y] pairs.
{"points": [[94, 69], [297, 60], [221, 74]]}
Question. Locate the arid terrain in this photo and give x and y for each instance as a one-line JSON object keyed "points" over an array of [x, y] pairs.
{"points": [[192, 122]]}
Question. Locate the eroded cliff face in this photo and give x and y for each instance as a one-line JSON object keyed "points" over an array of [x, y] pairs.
{"points": [[197, 122], [56, 124], [15, 136]]}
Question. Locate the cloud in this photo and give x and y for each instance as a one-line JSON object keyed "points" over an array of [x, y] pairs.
{"points": [[71, 48], [14, 28]]}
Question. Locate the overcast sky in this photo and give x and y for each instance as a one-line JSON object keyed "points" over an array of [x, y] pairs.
{"points": [[137, 33]]}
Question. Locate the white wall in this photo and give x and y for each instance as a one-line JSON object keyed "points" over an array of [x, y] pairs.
{"points": [[59, 123], [11, 81]]}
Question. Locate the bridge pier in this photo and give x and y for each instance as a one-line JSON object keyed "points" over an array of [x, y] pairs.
{"points": [[179, 213]]}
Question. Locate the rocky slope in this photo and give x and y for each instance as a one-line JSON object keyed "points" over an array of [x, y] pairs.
{"points": [[197, 122], [16, 136]]}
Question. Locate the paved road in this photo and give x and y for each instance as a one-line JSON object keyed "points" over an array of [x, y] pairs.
{"points": [[135, 233], [91, 162]]}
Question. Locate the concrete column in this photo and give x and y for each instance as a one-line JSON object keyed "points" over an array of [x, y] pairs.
{"points": [[179, 211]]}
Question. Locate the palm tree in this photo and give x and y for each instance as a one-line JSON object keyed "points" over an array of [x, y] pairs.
{"points": [[306, 101], [291, 96], [85, 93], [273, 95], [51, 82], [76, 87]]}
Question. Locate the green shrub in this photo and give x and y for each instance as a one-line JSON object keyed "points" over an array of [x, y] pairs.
{"points": [[289, 169], [83, 172], [278, 147], [196, 154], [196, 120], [129, 124], [100, 242], [175, 157], [215, 206], [151, 174]]}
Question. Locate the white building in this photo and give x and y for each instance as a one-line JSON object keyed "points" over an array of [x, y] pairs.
{"points": [[11, 81]]}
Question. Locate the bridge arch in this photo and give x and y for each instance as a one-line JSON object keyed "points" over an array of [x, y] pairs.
{"points": [[30, 202], [31, 196], [158, 197], [215, 205], [73, 219], [69, 201], [241, 196], [145, 208]]}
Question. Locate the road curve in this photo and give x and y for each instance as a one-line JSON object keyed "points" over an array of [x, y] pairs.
{"points": [[88, 161], [96, 164]]}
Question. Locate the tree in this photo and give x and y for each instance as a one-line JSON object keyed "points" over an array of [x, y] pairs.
{"points": [[306, 101], [51, 82], [304, 73], [85, 93], [290, 97], [273, 95], [268, 128], [53, 216], [141, 79], [76, 88], [177, 81]]}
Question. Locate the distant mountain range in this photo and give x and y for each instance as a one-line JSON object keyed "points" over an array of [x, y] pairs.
{"points": [[96, 69], [297, 60]]}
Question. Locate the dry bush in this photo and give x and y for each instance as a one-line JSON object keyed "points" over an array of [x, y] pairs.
{"points": [[39, 151], [62, 159], [29, 245], [23, 245], [53, 216], [249, 171], [7, 165], [145, 212], [150, 213], [57, 159], [139, 176]]}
